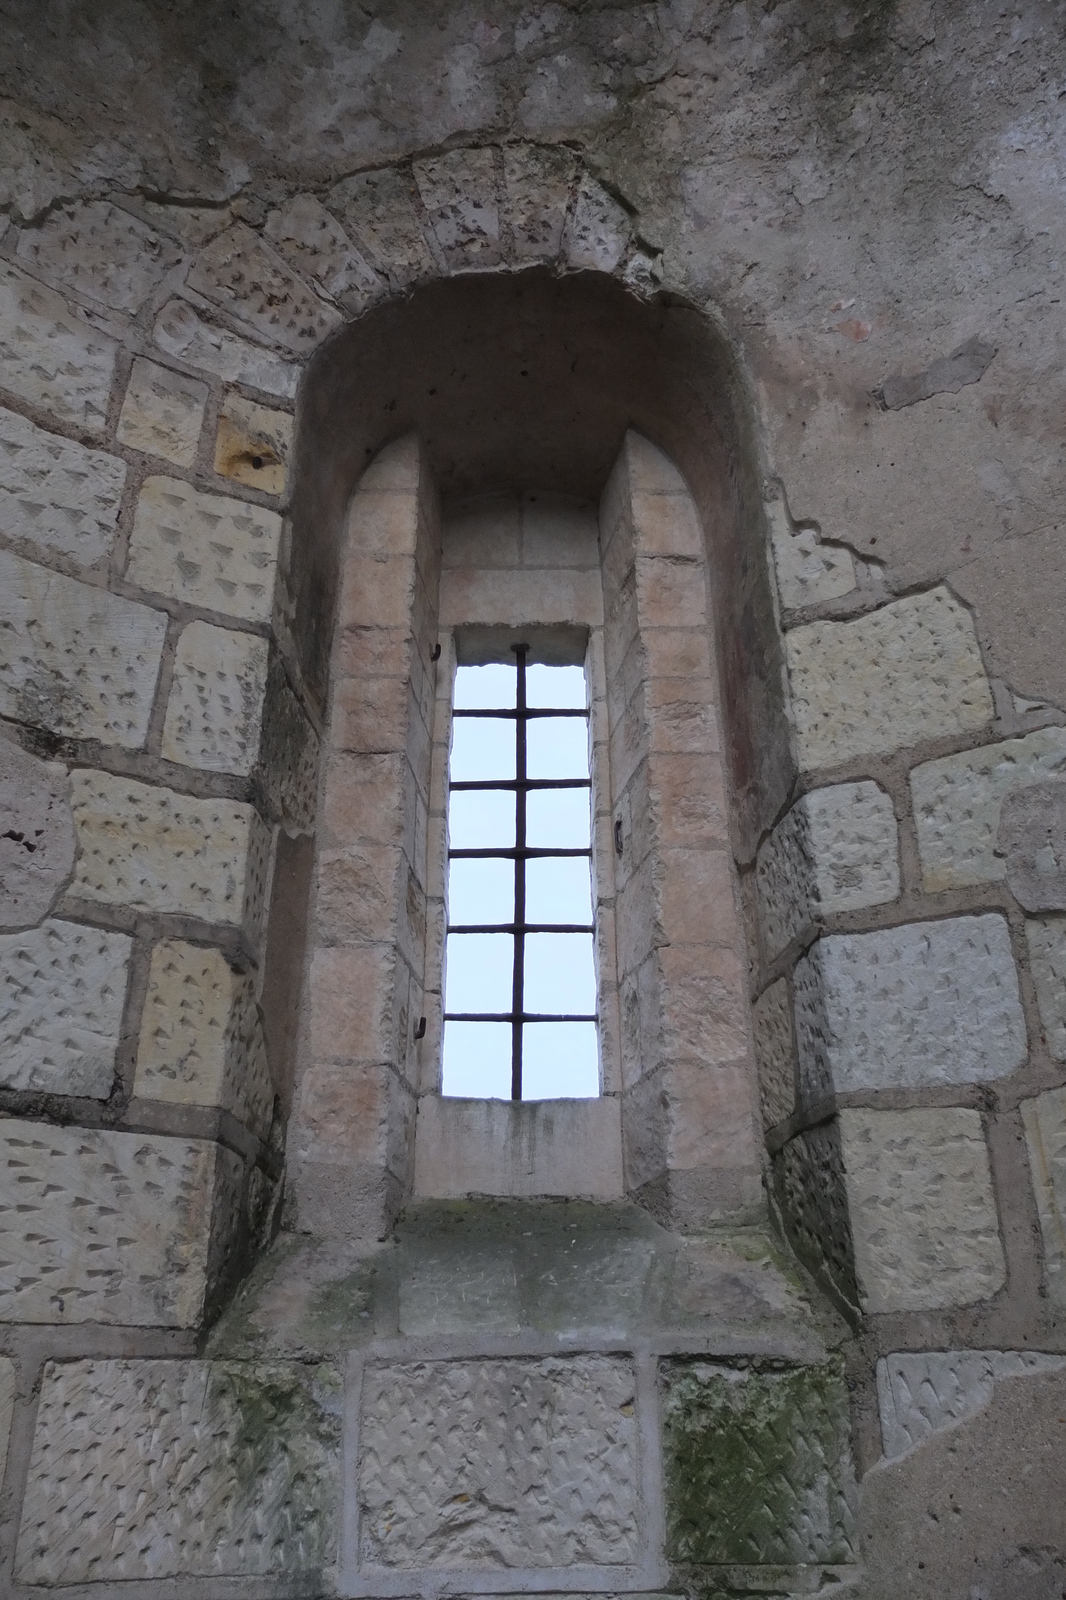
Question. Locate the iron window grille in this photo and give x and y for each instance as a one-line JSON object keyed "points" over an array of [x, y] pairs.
{"points": [[520, 853]]}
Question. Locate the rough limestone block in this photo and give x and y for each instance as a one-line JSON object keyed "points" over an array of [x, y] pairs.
{"points": [[181, 333], [1046, 938], [100, 251], [99, 1226], [253, 444], [450, 1453], [166, 1469], [8, 1390], [240, 273], [923, 1215], [62, 990], [207, 549], [758, 1465], [50, 354], [599, 231], [379, 211], [36, 836], [57, 494], [537, 182], [76, 659], [923, 1392], [958, 803], [313, 241], [1045, 1136], [809, 1184], [808, 571], [201, 1036], [775, 1053], [155, 850], [163, 412], [898, 676], [459, 193], [923, 1004], [288, 753], [215, 707], [1032, 842], [836, 850]]}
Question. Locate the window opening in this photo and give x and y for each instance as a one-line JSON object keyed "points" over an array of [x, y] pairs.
{"points": [[520, 1003]]}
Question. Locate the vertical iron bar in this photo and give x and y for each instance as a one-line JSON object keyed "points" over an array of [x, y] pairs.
{"points": [[518, 987]]}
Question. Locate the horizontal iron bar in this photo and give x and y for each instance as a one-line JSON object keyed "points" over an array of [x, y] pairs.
{"points": [[521, 927], [512, 853], [517, 1016], [526, 783], [530, 711]]}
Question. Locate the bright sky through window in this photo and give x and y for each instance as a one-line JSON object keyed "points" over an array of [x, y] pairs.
{"points": [[520, 995]]}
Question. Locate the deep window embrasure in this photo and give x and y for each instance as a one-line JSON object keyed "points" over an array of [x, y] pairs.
{"points": [[520, 996]]}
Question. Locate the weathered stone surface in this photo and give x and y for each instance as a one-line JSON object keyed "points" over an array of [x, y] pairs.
{"points": [[958, 803], [926, 1003], [8, 1389], [537, 182], [479, 1147], [51, 355], [99, 1226], [459, 193], [923, 1392], [201, 1036], [62, 990], [216, 700], [599, 231], [156, 850], [775, 1052], [208, 549], [758, 1465], [100, 251], [923, 1215], [240, 273], [163, 412], [314, 242], [1045, 1136], [74, 658], [36, 836], [378, 210], [161, 1469], [809, 1182], [906, 673], [836, 850], [180, 332], [450, 1453], [808, 571], [56, 494], [287, 776], [1032, 842], [1046, 938], [967, 364], [253, 444]]}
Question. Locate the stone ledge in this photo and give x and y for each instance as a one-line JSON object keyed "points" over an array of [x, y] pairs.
{"points": [[496, 1147]]}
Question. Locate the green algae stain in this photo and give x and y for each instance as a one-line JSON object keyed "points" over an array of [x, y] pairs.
{"points": [[758, 1465]]}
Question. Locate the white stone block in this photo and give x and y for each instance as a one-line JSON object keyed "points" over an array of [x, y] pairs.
{"points": [[180, 332], [1046, 938], [548, 1147], [808, 571], [163, 412], [836, 850], [36, 836], [923, 1215], [74, 658], [958, 801], [155, 850], [100, 251], [207, 549], [56, 494], [474, 1438], [923, 1392], [240, 273], [167, 1469], [201, 1036], [458, 190], [537, 181], [1045, 1135], [896, 677], [314, 242], [599, 231], [215, 709], [62, 990], [99, 1226], [51, 354], [920, 1005]]}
